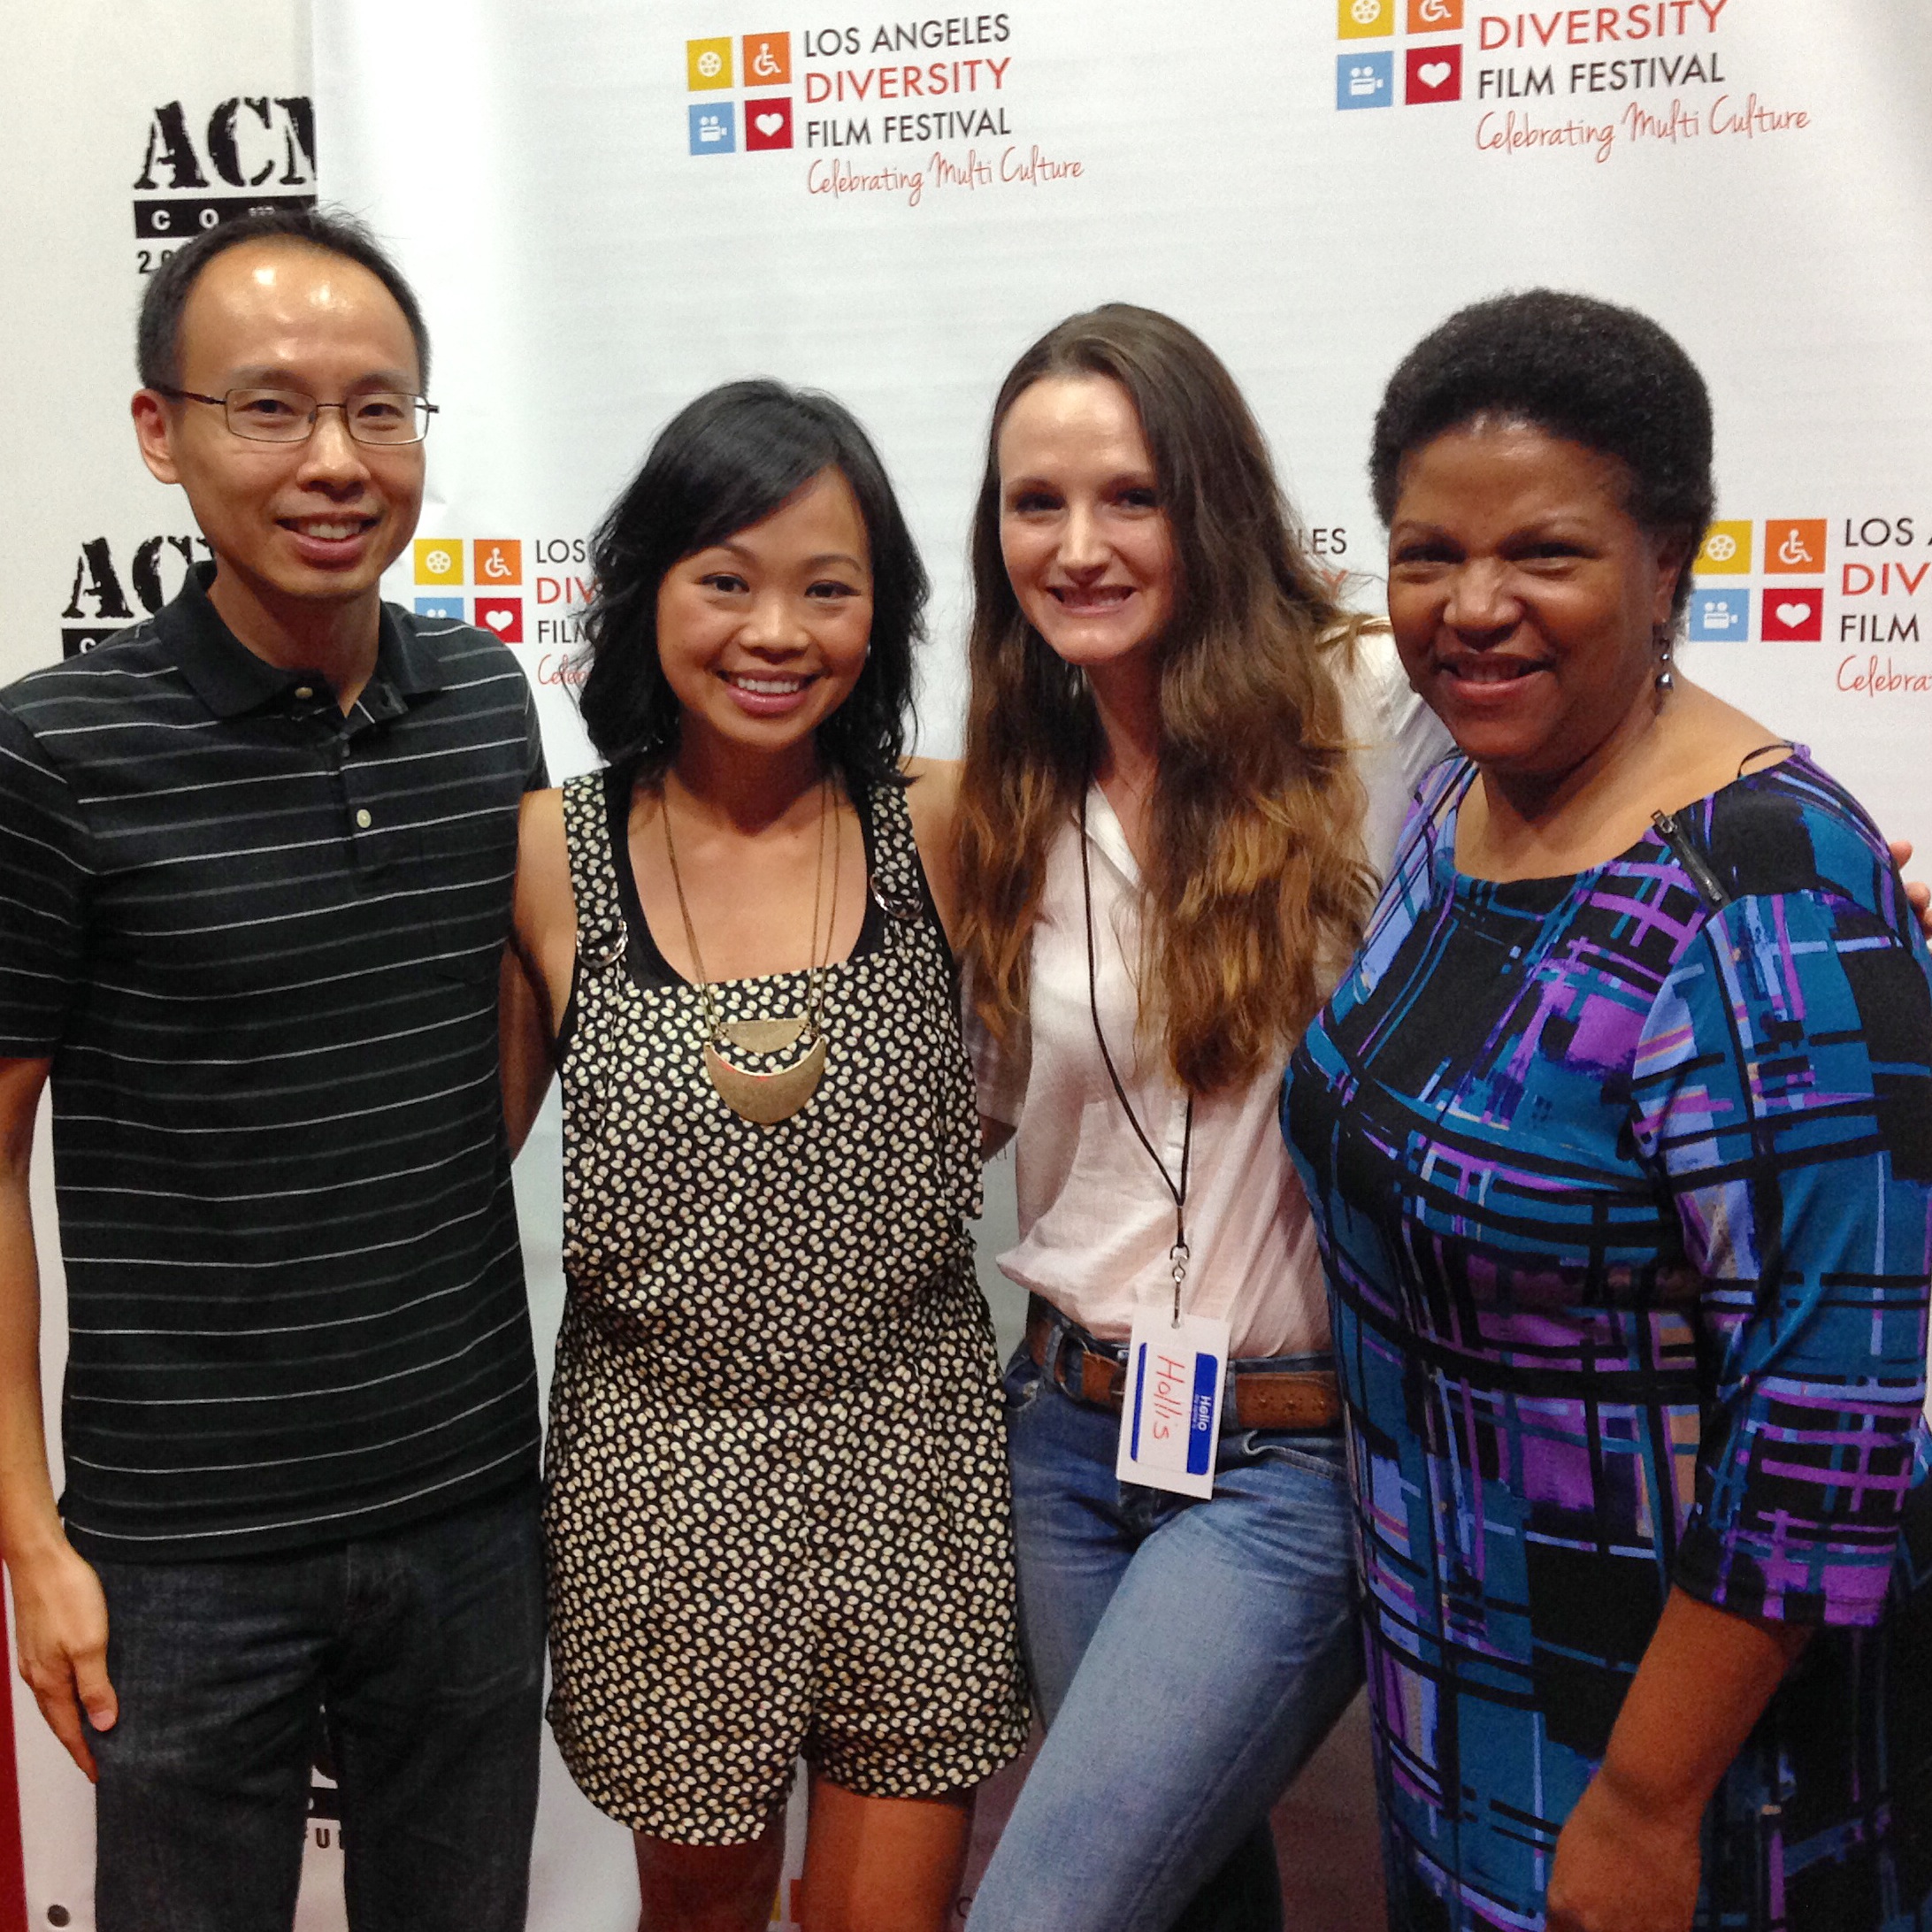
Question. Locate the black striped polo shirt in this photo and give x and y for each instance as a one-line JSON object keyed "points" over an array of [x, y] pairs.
{"points": [[259, 942]]}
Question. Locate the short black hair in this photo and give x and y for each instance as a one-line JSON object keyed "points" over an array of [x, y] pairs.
{"points": [[157, 334], [727, 460], [1587, 371]]}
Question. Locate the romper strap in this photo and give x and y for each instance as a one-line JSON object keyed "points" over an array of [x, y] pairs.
{"points": [[898, 883], [601, 935]]}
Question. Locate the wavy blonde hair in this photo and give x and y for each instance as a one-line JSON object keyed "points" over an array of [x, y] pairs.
{"points": [[1256, 887]]}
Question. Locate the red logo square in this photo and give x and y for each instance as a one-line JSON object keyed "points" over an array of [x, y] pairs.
{"points": [[501, 617], [1793, 614], [1435, 73], [767, 122]]}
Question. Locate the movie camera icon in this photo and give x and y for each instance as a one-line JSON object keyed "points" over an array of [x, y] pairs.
{"points": [[1364, 80], [1720, 615], [714, 129]]}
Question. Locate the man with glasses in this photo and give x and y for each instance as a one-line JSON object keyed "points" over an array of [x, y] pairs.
{"points": [[255, 863]]}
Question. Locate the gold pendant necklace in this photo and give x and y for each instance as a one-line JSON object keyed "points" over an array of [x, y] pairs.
{"points": [[765, 1099]]}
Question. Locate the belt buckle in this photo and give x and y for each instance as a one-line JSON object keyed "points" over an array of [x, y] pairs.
{"points": [[1071, 1355], [1106, 1376]]}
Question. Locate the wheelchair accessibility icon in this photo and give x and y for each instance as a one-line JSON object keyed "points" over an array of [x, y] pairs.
{"points": [[1795, 546], [767, 59], [499, 560]]}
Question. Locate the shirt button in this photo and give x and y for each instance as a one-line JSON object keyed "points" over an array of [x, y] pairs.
{"points": [[363, 818], [305, 691]]}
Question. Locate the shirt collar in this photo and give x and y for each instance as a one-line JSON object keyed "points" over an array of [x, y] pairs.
{"points": [[230, 679], [1107, 836]]}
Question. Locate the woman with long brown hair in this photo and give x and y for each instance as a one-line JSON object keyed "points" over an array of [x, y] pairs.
{"points": [[1184, 758]]}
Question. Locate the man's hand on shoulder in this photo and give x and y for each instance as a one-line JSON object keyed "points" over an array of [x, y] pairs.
{"points": [[1918, 893]]}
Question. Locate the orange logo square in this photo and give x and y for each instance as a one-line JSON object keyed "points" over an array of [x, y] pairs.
{"points": [[768, 60], [1726, 551], [1794, 546], [439, 560], [499, 560], [1364, 19], [1434, 16]]}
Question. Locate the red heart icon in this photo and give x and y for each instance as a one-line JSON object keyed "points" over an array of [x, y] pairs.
{"points": [[503, 616]]}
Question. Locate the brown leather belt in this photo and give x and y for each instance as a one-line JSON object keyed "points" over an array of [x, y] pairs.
{"points": [[1257, 1398]]}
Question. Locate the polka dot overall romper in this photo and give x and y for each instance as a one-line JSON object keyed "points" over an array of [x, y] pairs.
{"points": [[778, 1500]]}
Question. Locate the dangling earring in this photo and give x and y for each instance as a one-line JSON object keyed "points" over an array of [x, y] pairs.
{"points": [[1665, 678]]}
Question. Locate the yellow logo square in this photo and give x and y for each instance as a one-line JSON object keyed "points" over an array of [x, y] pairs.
{"points": [[1364, 19], [708, 63], [1726, 551], [439, 560]]}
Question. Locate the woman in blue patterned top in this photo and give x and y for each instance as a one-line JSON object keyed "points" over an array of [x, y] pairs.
{"points": [[1619, 1140]]}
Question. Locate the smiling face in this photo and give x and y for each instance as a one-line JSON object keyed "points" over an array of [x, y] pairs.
{"points": [[291, 524], [762, 636], [1088, 548], [1524, 599]]}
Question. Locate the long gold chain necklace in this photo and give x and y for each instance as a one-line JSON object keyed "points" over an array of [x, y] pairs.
{"points": [[765, 1098]]}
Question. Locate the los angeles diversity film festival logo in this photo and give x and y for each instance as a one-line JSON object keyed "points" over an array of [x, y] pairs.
{"points": [[764, 119], [1843, 581], [1593, 78], [481, 580], [252, 151], [879, 108]]}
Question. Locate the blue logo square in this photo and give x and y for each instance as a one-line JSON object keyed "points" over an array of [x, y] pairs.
{"points": [[1365, 80], [1720, 614], [439, 607], [714, 128]]}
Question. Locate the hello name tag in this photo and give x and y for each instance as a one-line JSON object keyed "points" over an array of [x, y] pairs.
{"points": [[1171, 1410]]}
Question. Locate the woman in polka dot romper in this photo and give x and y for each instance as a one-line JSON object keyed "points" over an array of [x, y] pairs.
{"points": [[777, 1482]]}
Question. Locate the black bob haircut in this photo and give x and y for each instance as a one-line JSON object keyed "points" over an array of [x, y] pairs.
{"points": [[1586, 371], [157, 334], [726, 461]]}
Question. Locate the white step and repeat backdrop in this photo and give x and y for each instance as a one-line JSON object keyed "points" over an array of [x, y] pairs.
{"points": [[609, 206]]}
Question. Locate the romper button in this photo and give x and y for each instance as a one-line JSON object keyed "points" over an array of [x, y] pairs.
{"points": [[364, 819], [305, 691]]}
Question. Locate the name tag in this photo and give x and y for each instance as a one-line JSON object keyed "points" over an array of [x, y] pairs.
{"points": [[1170, 1411]]}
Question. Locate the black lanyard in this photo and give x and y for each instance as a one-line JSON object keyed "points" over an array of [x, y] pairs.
{"points": [[1177, 1255]]}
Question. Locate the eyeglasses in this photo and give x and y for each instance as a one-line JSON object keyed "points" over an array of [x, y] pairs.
{"points": [[289, 416]]}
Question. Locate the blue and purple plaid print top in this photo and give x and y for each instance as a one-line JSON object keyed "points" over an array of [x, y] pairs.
{"points": [[1625, 1193]]}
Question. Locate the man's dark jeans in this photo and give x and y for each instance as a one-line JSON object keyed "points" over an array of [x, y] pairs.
{"points": [[420, 1650]]}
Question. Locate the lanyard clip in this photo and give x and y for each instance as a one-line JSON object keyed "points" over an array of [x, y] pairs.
{"points": [[1178, 1260]]}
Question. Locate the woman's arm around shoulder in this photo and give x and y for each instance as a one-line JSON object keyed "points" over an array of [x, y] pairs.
{"points": [[932, 797], [538, 962]]}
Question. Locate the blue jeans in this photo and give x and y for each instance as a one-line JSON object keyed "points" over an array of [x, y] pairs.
{"points": [[1187, 1658], [420, 1651]]}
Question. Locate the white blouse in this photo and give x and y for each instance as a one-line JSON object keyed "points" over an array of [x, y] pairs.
{"points": [[1096, 1221]]}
